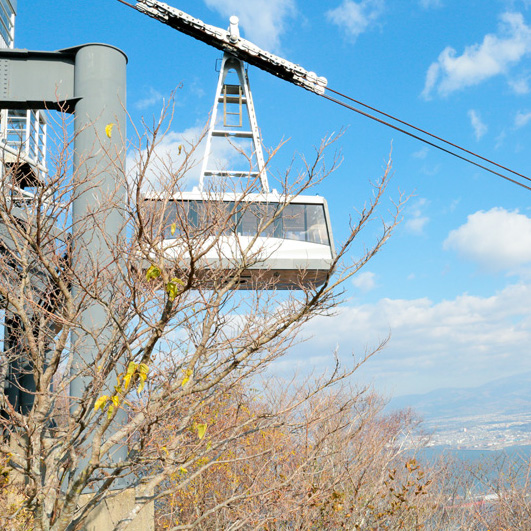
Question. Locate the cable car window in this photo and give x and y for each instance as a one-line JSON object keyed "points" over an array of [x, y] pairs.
{"points": [[195, 215], [254, 217], [295, 222], [248, 222], [305, 223], [155, 220], [178, 212], [316, 224]]}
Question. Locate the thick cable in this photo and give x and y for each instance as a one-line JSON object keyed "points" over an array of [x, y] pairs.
{"points": [[412, 135], [427, 133]]}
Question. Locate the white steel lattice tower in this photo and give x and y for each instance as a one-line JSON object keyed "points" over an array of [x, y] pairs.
{"points": [[7, 23], [22, 132]]}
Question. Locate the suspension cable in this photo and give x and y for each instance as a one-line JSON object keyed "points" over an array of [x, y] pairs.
{"points": [[427, 133], [441, 148]]}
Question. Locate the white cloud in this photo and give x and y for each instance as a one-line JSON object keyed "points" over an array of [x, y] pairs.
{"points": [[365, 281], [522, 119], [416, 225], [465, 341], [454, 204], [415, 218], [479, 127], [354, 18], [496, 240], [432, 170], [170, 156], [500, 139], [264, 21], [520, 86], [494, 56], [421, 153], [153, 96]]}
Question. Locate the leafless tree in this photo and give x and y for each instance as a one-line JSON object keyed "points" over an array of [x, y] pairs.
{"points": [[179, 341]]}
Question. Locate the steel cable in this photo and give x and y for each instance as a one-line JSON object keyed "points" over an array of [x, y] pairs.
{"points": [[425, 141]]}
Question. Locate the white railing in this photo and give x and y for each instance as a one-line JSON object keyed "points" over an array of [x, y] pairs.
{"points": [[23, 137]]}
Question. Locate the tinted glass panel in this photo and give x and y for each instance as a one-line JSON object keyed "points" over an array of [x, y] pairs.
{"points": [[259, 217], [295, 222]]}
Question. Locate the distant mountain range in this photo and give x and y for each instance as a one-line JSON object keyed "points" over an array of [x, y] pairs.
{"points": [[506, 397]]}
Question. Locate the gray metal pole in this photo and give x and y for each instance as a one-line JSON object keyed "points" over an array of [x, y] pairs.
{"points": [[100, 83], [89, 80]]}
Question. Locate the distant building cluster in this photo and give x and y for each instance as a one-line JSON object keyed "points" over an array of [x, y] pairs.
{"points": [[485, 432]]}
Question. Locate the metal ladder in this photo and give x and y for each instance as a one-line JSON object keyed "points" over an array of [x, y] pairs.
{"points": [[232, 96]]}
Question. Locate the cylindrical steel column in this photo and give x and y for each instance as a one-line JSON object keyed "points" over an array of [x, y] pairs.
{"points": [[97, 214]]}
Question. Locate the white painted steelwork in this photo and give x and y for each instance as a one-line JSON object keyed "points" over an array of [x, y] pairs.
{"points": [[23, 139], [230, 41], [8, 10], [234, 95], [22, 132]]}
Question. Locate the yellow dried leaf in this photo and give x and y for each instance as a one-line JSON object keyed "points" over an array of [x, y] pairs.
{"points": [[131, 368], [108, 130], [172, 290], [187, 375], [152, 272], [201, 430], [100, 403], [127, 381], [141, 384]]}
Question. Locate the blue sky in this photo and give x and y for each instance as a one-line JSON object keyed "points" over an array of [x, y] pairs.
{"points": [[453, 285]]}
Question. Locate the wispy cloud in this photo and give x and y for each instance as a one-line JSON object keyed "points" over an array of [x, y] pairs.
{"points": [[454, 204], [264, 21], [354, 18], [416, 225], [179, 155], [520, 86], [416, 220], [494, 56], [365, 281], [477, 124], [522, 119], [461, 341], [153, 97], [497, 240], [422, 153]]}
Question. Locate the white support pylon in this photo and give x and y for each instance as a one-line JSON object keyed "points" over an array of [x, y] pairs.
{"points": [[223, 95]]}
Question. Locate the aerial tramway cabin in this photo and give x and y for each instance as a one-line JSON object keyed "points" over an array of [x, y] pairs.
{"points": [[285, 240]]}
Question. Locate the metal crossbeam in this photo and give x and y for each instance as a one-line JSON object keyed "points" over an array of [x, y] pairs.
{"points": [[229, 41]]}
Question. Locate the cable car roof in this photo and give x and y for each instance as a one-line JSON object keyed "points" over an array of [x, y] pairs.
{"points": [[261, 197]]}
